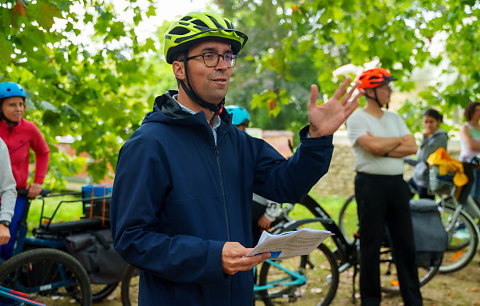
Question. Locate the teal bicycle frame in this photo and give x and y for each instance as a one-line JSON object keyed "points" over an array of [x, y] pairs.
{"points": [[293, 278], [20, 297]]}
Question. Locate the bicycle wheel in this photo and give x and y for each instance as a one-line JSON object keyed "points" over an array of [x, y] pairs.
{"points": [[285, 280], [44, 273], [348, 218], [389, 277], [129, 289], [101, 291], [462, 239]]}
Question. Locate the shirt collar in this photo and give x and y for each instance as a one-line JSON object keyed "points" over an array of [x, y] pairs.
{"points": [[216, 119]]}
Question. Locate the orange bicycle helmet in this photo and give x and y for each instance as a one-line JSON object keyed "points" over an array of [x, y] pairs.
{"points": [[375, 77]]}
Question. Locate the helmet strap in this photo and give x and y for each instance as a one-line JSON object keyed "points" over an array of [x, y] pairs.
{"points": [[11, 124], [375, 98], [216, 108]]}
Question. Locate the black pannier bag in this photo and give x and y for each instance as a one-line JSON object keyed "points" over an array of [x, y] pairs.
{"points": [[94, 250], [430, 236]]}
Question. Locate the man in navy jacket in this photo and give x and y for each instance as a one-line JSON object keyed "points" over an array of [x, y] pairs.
{"points": [[184, 180]]}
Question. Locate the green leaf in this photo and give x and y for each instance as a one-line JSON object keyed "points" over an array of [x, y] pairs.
{"points": [[6, 49], [152, 11], [44, 14]]}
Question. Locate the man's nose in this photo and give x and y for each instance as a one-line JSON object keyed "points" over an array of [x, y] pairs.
{"points": [[221, 63]]}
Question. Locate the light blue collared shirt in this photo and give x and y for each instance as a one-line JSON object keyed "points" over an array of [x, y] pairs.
{"points": [[216, 119]]}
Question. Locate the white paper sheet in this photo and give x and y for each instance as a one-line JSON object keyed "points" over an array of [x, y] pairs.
{"points": [[290, 244]]}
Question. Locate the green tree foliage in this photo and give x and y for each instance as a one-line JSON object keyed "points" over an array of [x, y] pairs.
{"points": [[293, 44], [97, 89]]}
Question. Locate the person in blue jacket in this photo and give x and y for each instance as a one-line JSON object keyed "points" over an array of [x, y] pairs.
{"points": [[181, 198]]}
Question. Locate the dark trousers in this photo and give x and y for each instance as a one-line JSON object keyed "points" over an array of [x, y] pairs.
{"points": [[383, 201]]}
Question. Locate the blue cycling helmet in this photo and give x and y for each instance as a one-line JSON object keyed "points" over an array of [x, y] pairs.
{"points": [[239, 114], [11, 89]]}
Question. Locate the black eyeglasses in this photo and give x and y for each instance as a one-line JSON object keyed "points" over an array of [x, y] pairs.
{"points": [[212, 59]]}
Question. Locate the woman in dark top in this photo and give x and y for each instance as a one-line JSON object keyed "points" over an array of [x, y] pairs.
{"points": [[433, 138]]}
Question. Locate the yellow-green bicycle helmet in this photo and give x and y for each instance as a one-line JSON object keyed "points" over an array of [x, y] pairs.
{"points": [[195, 27]]}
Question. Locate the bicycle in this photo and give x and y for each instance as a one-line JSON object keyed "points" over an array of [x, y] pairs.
{"points": [[43, 273], [459, 213], [54, 235], [288, 279], [27, 269], [463, 233], [66, 276]]}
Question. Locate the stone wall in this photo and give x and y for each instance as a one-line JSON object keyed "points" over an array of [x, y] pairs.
{"points": [[279, 140], [339, 179]]}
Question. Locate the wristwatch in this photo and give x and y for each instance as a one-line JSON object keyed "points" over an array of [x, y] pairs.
{"points": [[5, 222]]}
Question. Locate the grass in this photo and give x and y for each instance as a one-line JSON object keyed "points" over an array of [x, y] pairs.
{"points": [[70, 208], [332, 205]]}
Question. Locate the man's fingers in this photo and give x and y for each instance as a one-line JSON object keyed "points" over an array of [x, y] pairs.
{"points": [[255, 260], [352, 105], [313, 95], [234, 258], [245, 263], [341, 89], [350, 92]]}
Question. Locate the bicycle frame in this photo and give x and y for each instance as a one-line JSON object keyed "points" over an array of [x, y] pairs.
{"points": [[293, 279], [45, 223], [18, 296], [47, 235], [346, 252], [470, 205], [23, 240], [472, 208]]}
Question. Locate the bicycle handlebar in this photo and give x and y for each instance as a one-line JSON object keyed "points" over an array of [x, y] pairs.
{"points": [[474, 160], [22, 192]]}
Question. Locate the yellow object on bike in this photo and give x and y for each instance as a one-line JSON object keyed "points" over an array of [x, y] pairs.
{"points": [[447, 164]]}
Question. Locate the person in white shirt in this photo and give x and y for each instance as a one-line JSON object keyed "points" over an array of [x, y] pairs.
{"points": [[380, 140], [8, 193]]}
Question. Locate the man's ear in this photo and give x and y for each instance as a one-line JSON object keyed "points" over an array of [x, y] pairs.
{"points": [[179, 70]]}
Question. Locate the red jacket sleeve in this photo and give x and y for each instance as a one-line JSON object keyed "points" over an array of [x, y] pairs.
{"points": [[42, 154]]}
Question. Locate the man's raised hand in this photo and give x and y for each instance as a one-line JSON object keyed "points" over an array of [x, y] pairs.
{"points": [[326, 118]]}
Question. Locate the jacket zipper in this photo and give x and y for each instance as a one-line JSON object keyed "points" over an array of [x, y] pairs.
{"points": [[217, 153]]}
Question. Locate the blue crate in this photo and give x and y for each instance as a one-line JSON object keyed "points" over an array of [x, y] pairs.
{"points": [[96, 202], [96, 190]]}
